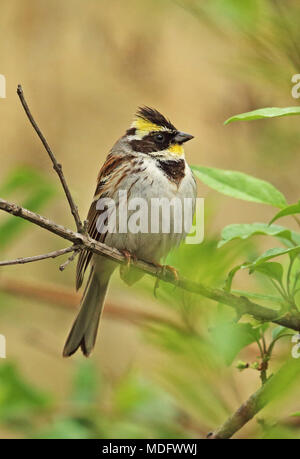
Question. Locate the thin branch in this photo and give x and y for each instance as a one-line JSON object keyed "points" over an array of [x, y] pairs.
{"points": [[264, 395], [56, 166], [241, 304], [21, 261], [263, 367], [235, 422], [70, 259]]}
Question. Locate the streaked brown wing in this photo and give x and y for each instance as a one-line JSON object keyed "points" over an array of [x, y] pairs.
{"points": [[110, 175], [85, 256]]}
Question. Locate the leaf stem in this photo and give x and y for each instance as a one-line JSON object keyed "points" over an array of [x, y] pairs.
{"points": [[280, 289], [288, 277]]}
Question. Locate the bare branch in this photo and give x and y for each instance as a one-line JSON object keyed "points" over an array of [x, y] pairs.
{"points": [[56, 253], [70, 259], [241, 304], [56, 166], [235, 422]]}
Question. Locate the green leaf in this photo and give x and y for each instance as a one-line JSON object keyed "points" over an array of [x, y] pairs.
{"points": [[271, 253], [18, 399], [272, 269], [289, 210], [268, 112], [11, 227], [258, 296], [229, 279], [296, 414], [241, 365], [278, 331], [131, 395], [22, 178], [86, 384], [278, 431], [65, 428], [260, 264], [246, 230], [280, 384], [231, 338], [240, 186], [35, 190]]}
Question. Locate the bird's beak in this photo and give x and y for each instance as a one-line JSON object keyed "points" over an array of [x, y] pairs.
{"points": [[182, 137]]}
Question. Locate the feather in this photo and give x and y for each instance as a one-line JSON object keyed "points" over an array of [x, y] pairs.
{"points": [[154, 117]]}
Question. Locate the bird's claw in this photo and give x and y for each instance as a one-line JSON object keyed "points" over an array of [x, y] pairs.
{"points": [[162, 271], [124, 268], [128, 257]]}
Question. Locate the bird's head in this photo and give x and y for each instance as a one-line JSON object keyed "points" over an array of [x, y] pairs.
{"points": [[153, 134]]}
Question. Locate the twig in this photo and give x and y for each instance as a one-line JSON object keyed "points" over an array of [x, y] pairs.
{"points": [[235, 422], [21, 261], [56, 166], [272, 388], [70, 259], [240, 303]]}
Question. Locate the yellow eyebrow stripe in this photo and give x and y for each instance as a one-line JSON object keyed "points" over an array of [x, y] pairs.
{"points": [[143, 125]]}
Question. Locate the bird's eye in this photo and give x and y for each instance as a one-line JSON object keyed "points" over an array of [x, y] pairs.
{"points": [[159, 137]]}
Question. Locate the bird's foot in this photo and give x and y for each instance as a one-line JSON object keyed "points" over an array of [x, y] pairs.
{"points": [[162, 272], [129, 257], [125, 268]]}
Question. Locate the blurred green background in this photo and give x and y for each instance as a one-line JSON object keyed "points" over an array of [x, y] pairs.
{"points": [[157, 371]]}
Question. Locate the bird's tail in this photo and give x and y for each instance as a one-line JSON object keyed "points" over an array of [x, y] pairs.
{"points": [[84, 331]]}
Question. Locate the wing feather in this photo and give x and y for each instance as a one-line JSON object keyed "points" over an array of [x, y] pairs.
{"points": [[112, 172]]}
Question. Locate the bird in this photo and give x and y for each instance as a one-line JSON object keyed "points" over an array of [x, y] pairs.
{"points": [[147, 162]]}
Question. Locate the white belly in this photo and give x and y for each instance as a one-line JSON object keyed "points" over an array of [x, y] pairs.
{"points": [[151, 186]]}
